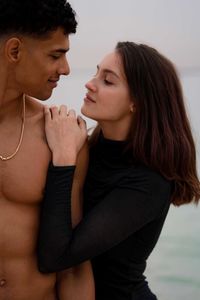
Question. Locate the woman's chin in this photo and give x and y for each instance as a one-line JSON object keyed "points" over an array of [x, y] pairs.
{"points": [[85, 112]]}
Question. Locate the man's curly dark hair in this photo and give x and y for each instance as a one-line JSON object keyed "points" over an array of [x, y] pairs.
{"points": [[36, 17]]}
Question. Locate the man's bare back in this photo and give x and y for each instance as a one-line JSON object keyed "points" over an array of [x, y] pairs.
{"points": [[22, 182]]}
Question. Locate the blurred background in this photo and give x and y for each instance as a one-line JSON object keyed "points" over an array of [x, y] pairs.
{"points": [[172, 27]]}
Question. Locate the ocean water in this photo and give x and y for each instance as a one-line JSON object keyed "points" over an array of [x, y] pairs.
{"points": [[173, 269]]}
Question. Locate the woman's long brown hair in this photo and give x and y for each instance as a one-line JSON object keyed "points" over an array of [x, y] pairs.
{"points": [[160, 136]]}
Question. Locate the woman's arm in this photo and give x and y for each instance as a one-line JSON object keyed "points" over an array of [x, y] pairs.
{"points": [[65, 136], [121, 213], [77, 283]]}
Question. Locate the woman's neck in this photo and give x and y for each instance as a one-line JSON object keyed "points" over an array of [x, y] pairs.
{"points": [[115, 131]]}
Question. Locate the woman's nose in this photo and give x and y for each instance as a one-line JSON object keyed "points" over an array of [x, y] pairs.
{"points": [[90, 85]]}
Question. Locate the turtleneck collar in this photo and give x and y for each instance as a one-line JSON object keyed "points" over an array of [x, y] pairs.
{"points": [[112, 151]]}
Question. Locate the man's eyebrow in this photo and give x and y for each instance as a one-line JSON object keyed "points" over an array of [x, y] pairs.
{"points": [[60, 50], [108, 71]]}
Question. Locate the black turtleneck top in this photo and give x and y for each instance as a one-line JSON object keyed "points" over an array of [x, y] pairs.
{"points": [[125, 206]]}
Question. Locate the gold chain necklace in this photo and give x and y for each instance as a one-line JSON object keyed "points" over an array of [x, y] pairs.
{"points": [[21, 135]]}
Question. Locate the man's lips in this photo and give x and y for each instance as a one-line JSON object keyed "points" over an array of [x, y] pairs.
{"points": [[53, 82]]}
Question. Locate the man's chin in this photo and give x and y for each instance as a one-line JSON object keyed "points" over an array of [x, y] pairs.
{"points": [[43, 97]]}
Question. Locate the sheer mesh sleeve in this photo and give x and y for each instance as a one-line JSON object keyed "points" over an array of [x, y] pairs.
{"points": [[121, 213]]}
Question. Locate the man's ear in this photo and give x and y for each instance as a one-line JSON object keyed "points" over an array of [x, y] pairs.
{"points": [[13, 49]]}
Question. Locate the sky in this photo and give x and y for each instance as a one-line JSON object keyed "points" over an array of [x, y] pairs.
{"points": [[171, 26]]}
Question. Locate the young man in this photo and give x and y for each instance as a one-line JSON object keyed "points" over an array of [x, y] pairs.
{"points": [[34, 40]]}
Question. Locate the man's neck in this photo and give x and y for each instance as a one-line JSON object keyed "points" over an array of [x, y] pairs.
{"points": [[10, 104], [10, 96]]}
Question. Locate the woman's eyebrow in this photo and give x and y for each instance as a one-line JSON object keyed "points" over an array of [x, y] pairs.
{"points": [[108, 71]]}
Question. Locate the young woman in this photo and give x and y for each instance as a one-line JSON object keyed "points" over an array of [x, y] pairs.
{"points": [[142, 158]]}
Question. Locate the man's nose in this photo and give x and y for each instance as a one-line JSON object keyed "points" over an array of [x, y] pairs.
{"points": [[64, 68]]}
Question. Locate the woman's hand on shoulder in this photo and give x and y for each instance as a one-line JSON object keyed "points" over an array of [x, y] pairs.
{"points": [[65, 132]]}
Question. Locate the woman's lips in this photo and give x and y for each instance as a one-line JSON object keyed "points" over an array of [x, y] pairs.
{"points": [[88, 98]]}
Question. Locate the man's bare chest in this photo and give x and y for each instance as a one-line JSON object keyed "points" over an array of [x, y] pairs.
{"points": [[22, 179]]}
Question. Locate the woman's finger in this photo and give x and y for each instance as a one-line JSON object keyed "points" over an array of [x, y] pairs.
{"points": [[47, 113], [72, 113], [54, 112], [63, 111], [81, 122]]}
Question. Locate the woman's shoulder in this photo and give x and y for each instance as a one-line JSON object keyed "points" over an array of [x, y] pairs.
{"points": [[146, 180]]}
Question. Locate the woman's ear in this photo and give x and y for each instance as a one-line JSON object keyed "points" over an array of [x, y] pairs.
{"points": [[132, 107]]}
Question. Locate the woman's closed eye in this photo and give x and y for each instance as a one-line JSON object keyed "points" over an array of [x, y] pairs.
{"points": [[107, 82]]}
